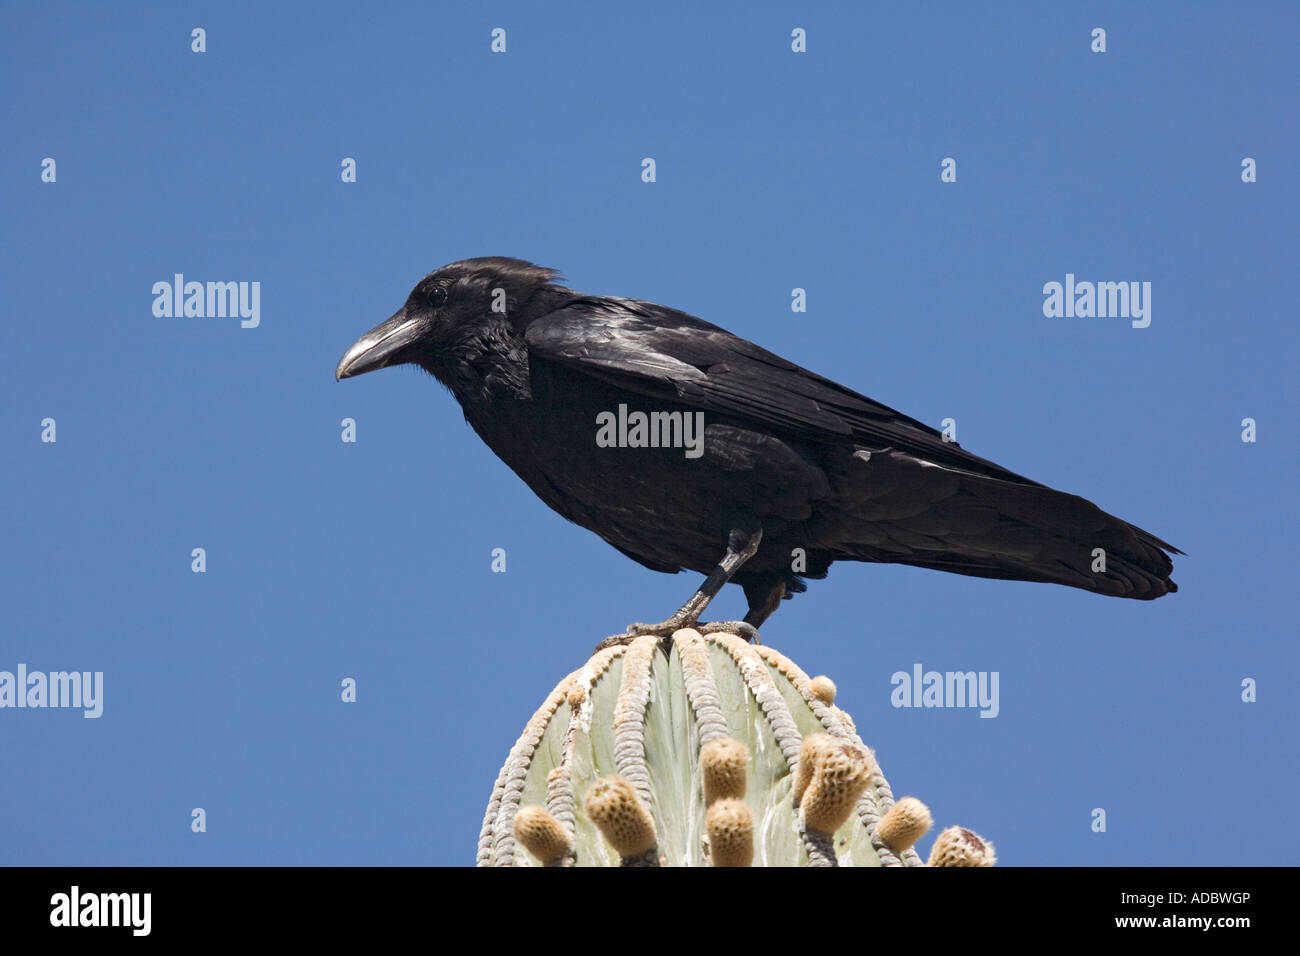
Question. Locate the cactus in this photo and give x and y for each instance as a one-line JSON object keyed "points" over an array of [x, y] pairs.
{"points": [[691, 751]]}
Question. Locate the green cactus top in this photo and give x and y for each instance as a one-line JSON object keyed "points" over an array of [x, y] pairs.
{"points": [[642, 712]]}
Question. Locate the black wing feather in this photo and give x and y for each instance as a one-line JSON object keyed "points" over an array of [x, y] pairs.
{"points": [[663, 353]]}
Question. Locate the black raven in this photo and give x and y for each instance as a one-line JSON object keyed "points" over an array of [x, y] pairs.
{"points": [[678, 442]]}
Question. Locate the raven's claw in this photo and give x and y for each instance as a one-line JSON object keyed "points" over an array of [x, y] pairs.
{"points": [[671, 626]]}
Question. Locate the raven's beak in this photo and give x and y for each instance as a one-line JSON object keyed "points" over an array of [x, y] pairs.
{"points": [[381, 347]]}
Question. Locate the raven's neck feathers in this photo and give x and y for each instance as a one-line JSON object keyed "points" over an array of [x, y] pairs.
{"points": [[490, 362]]}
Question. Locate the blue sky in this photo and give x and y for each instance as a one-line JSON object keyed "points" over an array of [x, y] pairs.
{"points": [[775, 170]]}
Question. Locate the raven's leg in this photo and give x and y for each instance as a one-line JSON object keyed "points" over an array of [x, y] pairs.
{"points": [[741, 546], [764, 596]]}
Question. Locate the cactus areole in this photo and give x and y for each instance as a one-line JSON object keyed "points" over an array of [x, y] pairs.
{"points": [[685, 752]]}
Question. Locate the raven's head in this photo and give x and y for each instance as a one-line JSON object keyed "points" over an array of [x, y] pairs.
{"points": [[451, 318]]}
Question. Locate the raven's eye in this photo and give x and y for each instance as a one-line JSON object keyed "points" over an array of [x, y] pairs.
{"points": [[437, 296]]}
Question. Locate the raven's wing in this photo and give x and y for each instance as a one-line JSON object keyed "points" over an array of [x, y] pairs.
{"points": [[923, 495], [663, 353]]}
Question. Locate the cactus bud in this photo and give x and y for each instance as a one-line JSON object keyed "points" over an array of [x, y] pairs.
{"points": [[841, 773], [905, 823], [823, 688], [812, 745], [731, 832], [613, 805], [541, 834], [723, 763], [958, 847]]}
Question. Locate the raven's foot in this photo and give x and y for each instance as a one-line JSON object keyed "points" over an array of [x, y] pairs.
{"points": [[663, 629], [739, 628], [671, 626]]}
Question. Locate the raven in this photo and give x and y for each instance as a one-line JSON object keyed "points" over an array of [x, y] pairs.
{"points": [[793, 471]]}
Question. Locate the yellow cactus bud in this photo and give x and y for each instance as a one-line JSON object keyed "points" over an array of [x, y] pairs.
{"points": [[905, 823], [958, 847], [803, 771], [723, 763], [541, 834], [841, 773], [823, 688], [731, 832], [613, 805]]}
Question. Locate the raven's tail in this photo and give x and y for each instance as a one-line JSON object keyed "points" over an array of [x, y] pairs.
{"points": [[908, 511]]}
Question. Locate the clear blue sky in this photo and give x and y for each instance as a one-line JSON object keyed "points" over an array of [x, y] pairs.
{"points": [[776, 170]]}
